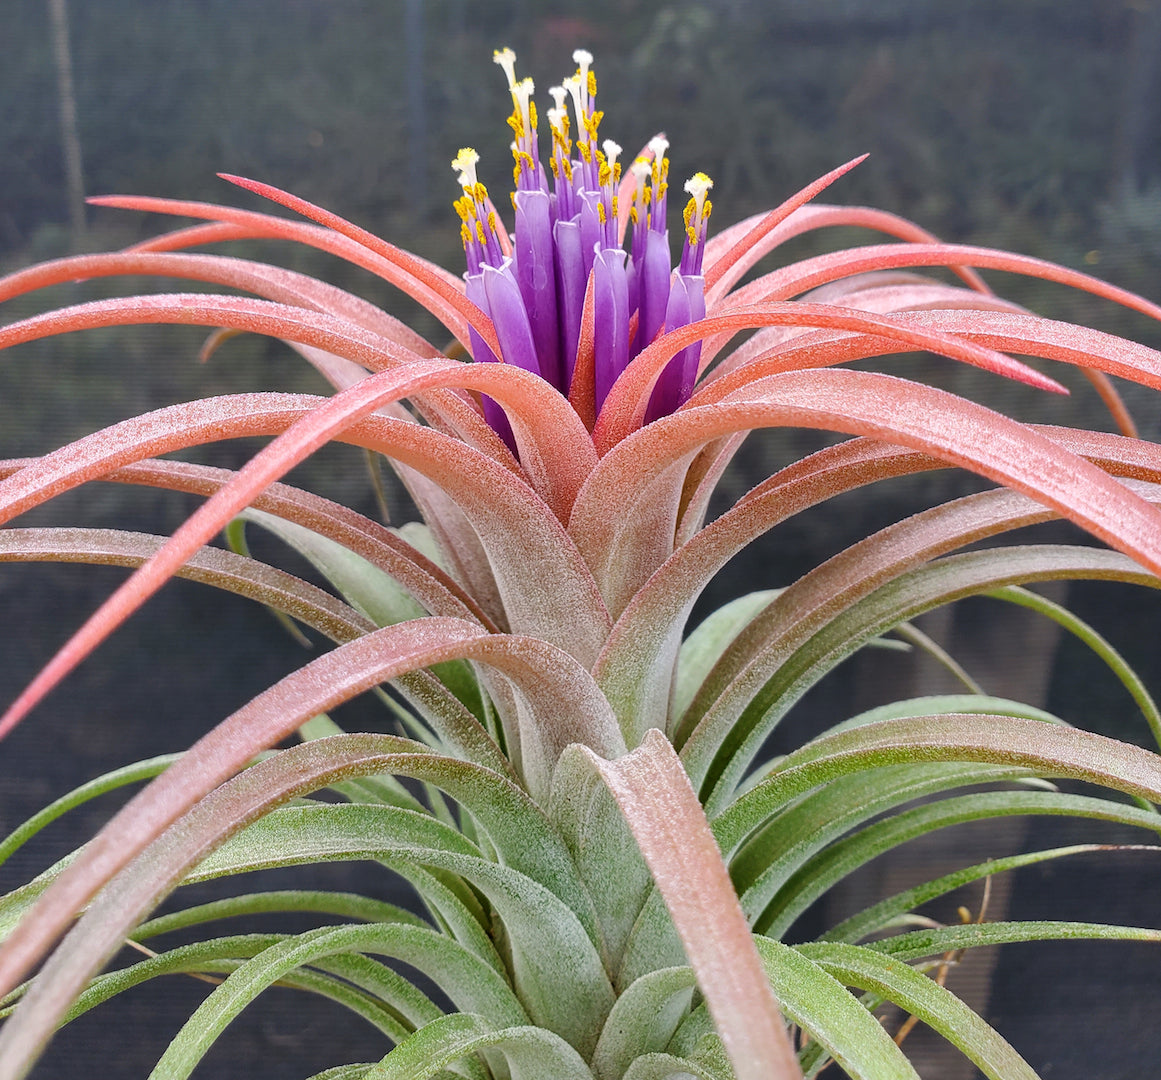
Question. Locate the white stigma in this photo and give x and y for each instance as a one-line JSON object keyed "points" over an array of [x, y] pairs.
{"points": [[698, 186], [577, 91], [584, 60], [521, 95], [611, 150], [506, 58], [465, 166], [658, 144], [559, 93]]}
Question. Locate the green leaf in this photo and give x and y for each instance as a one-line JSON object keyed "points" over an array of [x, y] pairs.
{"points": [[701, 650], [557, 971], [878, 916], [454, 907], [602, 847], [532, 1052], [1079, 628], [111, 781], [315, 901], [470, 983], [920, 944], [793, 835], [776, 902], [818, 1003], [659, 1066], [924, 998], [643, 1020]]}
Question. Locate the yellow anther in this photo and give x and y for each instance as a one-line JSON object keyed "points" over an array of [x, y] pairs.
{"points": [[480, 234], [591, 84], [601, 212]]}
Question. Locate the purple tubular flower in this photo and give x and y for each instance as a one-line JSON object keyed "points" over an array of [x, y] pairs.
{"points": [[675, 385], [654, 285], [571, 282], [590, 226], [567, 237], [508, 315], [481, 353], [536, 275], [611, 321]]}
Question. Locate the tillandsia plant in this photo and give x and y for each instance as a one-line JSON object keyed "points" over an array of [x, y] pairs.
{"points": [[608, 864]]}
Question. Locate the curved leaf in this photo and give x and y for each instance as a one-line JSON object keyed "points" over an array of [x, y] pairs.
{"points": [[532, 1052], [924, 998], [657, 800], [879, 916]]}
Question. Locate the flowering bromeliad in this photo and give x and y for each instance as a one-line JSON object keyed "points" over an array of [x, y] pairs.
{"points": [[616, 841]]}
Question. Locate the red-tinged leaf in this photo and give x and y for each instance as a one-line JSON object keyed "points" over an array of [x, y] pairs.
{"points": [[212, 232], [1006, 331], [810, 273], [432, 277], [806, 219], [878, 291], [718, 265], [456, 316], [635, 668], [546, 587], [564, 706], [267, 585], [555, 449], [438, 593], [316, 329], [908, 414], [270, 282], [582, 389], [668, 823], [735, 715], [624, 408]]}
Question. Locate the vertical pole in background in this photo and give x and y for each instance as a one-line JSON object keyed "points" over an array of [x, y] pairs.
{"points": [[70, 140], [416, 108]]}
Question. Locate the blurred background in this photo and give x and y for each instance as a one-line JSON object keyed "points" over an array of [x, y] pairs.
{"points": [[1033, 125]]}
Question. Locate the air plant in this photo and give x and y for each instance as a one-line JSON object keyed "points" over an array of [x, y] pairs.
{"points": [[607, 862]]}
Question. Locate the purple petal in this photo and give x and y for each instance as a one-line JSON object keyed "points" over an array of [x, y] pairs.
{"points": [[536, 276], [571, 280], [655, 271], [675, 385], [611, 321], [493, 413], [506, 306]]}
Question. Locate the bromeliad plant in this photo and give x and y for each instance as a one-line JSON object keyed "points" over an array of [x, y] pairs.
{"points": [[608, 865]]}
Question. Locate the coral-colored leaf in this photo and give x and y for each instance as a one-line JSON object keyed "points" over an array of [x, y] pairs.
{"points": [[624, 408], [546, 586], [669, 826]]}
